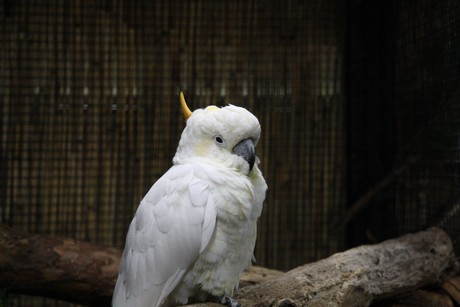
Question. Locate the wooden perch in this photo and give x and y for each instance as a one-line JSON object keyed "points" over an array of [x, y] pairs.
{"points": [[60, 268], [360, 275], [85, 273]]}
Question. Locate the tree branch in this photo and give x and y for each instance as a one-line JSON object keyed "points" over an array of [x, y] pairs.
{"points": [[60, 268], [85, 273], [360, 275]]}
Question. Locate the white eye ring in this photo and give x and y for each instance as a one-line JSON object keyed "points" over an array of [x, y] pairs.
{"points": [[219, 140]]}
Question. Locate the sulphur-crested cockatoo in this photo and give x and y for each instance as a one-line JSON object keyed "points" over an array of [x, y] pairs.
{"points": [[194, 232]]}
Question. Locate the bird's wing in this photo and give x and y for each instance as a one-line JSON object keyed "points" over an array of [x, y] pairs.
{"points": [[173, 224]]}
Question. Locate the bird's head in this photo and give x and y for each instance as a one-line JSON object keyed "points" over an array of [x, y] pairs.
{"points": [[221, 136]]}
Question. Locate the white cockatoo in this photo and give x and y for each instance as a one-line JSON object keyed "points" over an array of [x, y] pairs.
{"points": [[195, 230]]}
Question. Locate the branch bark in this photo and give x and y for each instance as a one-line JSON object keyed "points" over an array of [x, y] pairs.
{"points": [[361, 275], [60, 268], [85, 273]]}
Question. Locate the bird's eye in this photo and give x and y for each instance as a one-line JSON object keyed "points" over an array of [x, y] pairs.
{"points": [[220, 141]]}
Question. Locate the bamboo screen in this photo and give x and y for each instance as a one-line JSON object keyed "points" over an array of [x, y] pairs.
{"points": [[90, 113]]}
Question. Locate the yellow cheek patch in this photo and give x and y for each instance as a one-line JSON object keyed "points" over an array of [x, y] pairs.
{"points": [[212, 108], [201, 148]]}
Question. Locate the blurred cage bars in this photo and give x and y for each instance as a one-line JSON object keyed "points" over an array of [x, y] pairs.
{"points": [[427, 79], [403, 114], [90, 115]]}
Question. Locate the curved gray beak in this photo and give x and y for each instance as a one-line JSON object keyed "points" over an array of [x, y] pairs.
{"points": [[246, 149]]}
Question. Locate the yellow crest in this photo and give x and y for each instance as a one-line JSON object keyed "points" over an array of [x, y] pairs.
{"points": [[183, 104], [187, 111]]}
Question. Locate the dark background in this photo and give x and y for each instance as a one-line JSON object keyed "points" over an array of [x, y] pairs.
{"points": [[358, 102]]}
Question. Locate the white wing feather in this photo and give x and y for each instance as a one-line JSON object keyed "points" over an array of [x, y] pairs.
{"points": [[172, 226]]}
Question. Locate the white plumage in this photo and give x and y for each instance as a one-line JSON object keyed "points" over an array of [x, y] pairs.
{"points": [[195, 230]]}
